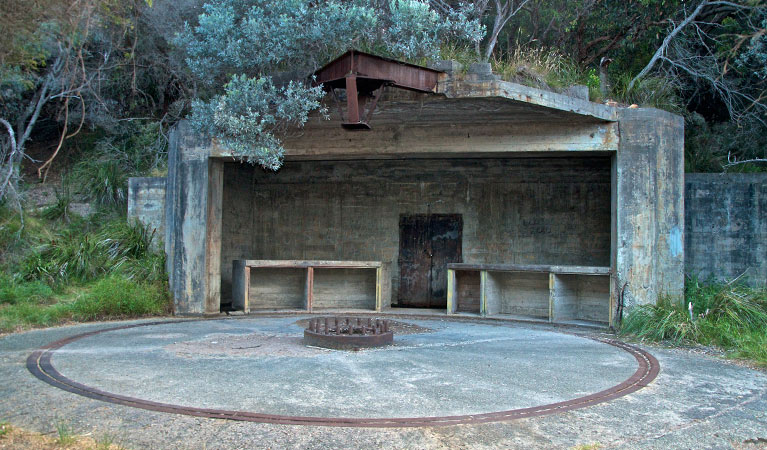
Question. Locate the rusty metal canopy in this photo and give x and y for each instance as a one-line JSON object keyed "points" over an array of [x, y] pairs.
{"points": [[365, 75]]}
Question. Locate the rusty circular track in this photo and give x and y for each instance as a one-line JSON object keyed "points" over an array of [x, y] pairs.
{"points": [[39, 364]]}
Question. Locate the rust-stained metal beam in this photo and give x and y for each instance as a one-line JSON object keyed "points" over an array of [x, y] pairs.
{"points": [[363, 76], [375, 68]]}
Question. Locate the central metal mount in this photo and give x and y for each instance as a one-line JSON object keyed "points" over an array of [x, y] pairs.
{"points": [[348, 333]]}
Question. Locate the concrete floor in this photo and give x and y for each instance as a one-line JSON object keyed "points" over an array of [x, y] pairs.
{"points": [[459, 368]]}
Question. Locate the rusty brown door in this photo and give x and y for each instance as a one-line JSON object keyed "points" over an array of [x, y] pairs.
{"points": [[427, 244]]}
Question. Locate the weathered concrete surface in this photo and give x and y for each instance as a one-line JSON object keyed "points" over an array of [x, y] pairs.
{"points": [[420, 375], [146, 204], [457, 88], [524, 210], [697, 401], [648, 201], [474, 119], [191, 222], [726, 226]]}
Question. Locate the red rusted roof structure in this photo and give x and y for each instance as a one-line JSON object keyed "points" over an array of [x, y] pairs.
{"points": [[366, 75]]}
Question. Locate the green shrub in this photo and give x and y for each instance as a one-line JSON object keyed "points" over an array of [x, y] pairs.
{"points": [[118, 297]]}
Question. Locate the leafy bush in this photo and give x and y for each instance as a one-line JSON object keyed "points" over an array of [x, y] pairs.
{"points": [[732, 316], [237, 44]]}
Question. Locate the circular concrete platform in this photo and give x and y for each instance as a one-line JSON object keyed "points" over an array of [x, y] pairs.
{"points": [[257, 369]]}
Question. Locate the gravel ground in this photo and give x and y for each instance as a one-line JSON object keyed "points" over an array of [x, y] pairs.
{"points": [[697, 401]]}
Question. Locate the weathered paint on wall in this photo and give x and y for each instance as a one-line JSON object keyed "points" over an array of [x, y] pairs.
{"points": [[146, 204], [726, 226], [523, 210]]}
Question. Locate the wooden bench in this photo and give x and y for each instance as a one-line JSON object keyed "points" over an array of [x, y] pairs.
{"points": [[305, 285], [553, 293]]}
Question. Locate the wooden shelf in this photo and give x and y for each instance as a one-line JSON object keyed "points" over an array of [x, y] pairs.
{"points": [[305, 284], [555, 293]]}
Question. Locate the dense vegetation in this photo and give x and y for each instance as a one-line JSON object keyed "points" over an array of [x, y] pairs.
{"points": [[89, 88], [57, 266], [731, 316]]}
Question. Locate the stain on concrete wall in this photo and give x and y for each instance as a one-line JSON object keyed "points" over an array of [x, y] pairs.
{"points": [[522, 210], [146, 204], [726, 226]]}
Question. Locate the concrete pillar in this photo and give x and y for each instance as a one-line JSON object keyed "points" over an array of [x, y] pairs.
{"points": [[193, 223], [649, 205]]}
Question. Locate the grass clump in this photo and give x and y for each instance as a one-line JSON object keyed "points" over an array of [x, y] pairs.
{"points": [[653, 92], [117, 297], [14, 292], [65, 435], [731, 316]]}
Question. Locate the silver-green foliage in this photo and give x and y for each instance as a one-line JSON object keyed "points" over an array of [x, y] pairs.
{"points": [[240, 43], [252, 112]]}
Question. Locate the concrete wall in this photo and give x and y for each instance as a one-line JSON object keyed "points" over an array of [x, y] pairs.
{"points": [[146, 204], [726, 226], [521, 210]]}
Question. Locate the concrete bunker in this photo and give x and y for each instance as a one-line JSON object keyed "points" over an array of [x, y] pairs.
{"points": [[483, 197]]}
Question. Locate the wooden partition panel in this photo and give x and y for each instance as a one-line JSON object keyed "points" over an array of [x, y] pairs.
{"points": [[468, 291], [303, 285], [277, 288], [519, 293], [344, 289], [592, 292]]}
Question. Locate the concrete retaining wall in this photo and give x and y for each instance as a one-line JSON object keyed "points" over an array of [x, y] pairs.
{"points": [[146, 204], [726, 226]]}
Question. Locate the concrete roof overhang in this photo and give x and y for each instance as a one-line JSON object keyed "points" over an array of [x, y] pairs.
{"points": [[462, 118], [528, 101]]}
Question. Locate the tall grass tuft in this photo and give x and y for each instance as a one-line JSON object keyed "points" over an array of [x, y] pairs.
{"points": [[117, 297], [732, 316], [82, 256], [652, 92], [104, 181]]}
